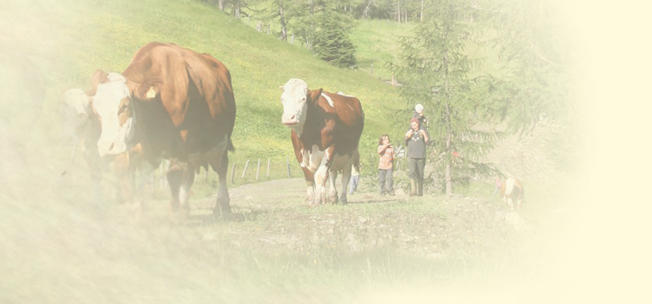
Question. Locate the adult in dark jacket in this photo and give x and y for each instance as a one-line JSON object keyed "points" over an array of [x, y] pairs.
{"points": [[416, 139]]}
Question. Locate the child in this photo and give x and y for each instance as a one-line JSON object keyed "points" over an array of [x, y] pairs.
{"points": [[385, 165], [355, 179], [418, 113]]}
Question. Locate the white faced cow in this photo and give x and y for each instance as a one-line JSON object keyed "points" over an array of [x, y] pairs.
{"points": [[169, 103], [326, 129]]}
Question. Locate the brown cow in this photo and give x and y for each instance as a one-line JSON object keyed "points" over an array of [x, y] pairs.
{"points": [[173, 103], [326, 129]]}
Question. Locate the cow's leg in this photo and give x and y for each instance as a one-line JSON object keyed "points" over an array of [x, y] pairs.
{"points": [[222, 205], [123, 178], [320, 184], [519, 199], [332, 193], [147, 178], [310, 185], [521, 194], [187, 178], [321, 175], [346, 176], [174, 177]]}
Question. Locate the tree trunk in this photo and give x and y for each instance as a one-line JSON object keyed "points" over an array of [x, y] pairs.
{"points": [[398, 11], [236, 8], [365, 12], [284, 31], [220, 4], [421, 13], [449, 132], [447, 171]]}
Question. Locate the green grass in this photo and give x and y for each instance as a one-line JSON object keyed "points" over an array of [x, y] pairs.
{"points": [[377, 44]]}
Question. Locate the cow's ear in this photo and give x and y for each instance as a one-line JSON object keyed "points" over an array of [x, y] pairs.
{"points": [[313, 96], [98, 77], [146, 92]]}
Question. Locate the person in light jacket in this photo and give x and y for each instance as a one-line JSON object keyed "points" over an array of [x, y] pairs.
{"points": [[385, 165]]}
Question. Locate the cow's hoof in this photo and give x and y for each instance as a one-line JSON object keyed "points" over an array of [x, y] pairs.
{"points": [[222, 214], [174, 206], [332, 198], [344, 201], [185, 209]]}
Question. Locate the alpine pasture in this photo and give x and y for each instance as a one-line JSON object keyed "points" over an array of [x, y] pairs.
{"points": [[65, 240]]}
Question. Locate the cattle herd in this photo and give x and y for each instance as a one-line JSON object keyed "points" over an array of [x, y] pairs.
{"points": [[176, 104]]}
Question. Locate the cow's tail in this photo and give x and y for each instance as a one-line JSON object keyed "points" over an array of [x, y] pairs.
{"points": [[356, 160], [229, 145]]}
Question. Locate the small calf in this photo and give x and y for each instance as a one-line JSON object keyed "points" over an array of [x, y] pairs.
{"points": [[511, 189]]}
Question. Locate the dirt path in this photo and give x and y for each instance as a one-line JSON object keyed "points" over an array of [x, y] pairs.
{"points": [[279, 193]]}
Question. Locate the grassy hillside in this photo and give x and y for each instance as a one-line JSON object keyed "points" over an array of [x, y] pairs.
{"points": [[377, 43], [67, 40]]}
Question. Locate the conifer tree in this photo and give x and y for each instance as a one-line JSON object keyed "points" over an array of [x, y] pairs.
{"points": [[331, 42], [436, 71]]}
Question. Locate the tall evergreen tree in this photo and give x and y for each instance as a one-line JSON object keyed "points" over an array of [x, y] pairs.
{"points": [[436, 71]]}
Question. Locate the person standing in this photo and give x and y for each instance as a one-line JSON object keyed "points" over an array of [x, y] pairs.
{"points": [[355, 179], [385, 165], [416, 139]]}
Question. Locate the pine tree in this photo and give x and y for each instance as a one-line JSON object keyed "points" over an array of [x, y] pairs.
{"points": [[436, 71], [331, 42]]}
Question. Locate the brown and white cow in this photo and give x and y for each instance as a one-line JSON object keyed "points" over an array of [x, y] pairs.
{"points": [[80, 129], [173, 103], [326, 129], [511, 190]]}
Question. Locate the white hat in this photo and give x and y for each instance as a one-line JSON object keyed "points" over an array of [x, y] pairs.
{"points": [[418, 108]]}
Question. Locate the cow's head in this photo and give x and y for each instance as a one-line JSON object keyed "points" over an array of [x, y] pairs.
{"points": [[113, 106], [76, 109], [295, 99]]}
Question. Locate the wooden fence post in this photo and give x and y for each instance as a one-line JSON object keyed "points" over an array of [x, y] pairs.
{"points": [[244, 170], [258, 169], [268, 167]]}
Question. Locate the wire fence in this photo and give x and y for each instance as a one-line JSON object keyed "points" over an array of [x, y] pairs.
{"points": [[245, 171]]}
